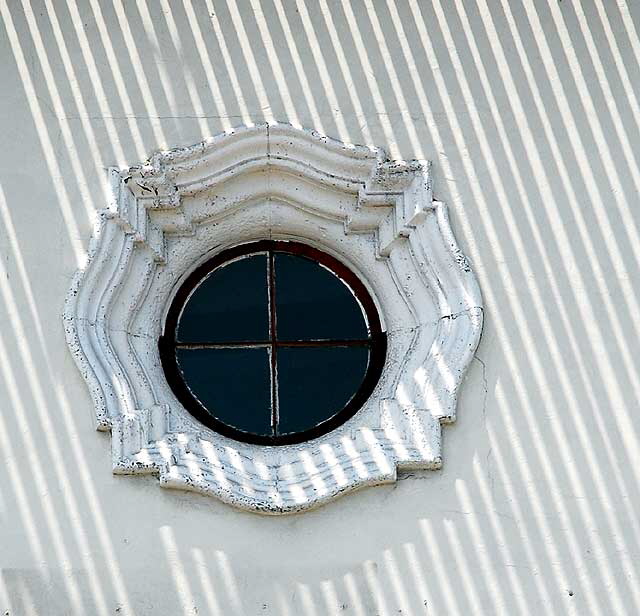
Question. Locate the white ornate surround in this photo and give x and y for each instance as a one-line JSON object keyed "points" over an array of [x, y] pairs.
{"points": [[274, 182]]}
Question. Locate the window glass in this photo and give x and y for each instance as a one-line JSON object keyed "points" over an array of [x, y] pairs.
{"points": [[234, 385], [229, 305], [314, 383], [312, 302], [274, 342]]}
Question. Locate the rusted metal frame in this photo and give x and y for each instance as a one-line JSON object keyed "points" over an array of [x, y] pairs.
{"points": [[377, 341], [273, 352], [251, 344]]}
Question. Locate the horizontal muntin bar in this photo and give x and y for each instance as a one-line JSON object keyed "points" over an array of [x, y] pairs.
{"points": [[261, 344]]}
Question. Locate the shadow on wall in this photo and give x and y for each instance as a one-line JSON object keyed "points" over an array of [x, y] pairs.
{"points": [[530, 114]]}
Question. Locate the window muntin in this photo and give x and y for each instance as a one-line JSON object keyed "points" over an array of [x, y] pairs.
{"points": [[309, 357]]}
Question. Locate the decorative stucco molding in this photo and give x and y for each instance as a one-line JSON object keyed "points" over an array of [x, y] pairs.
{"points": [[274, 181]]}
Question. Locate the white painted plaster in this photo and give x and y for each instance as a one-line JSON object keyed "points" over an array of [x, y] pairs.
{"points": [[529, 113], [274, 181]]}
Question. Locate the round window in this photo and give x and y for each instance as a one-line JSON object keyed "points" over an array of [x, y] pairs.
{"points": [[272, 342]]}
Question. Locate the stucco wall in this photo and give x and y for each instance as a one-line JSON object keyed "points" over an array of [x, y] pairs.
{"points": [[529, 112]]}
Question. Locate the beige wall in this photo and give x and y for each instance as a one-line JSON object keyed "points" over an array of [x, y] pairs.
{"points": [[530, 115]]}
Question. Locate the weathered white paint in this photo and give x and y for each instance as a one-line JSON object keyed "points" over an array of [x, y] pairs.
{"points": [[274, 181], [529, 113]]}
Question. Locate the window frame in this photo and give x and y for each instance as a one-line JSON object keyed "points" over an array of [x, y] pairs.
{"points": [[376, 341]]}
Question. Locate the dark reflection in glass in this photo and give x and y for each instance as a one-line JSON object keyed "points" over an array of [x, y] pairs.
{"points": [[238, 374], [313, 303], [230, 305], [315, 383], [234, 385]]}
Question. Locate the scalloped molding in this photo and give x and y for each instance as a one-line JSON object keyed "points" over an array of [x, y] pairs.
{"points": [[274, 181]]}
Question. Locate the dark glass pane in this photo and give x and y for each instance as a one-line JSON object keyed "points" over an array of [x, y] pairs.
{"points": [[314, 383], [233, 384], [230, 305], [313, 303]]}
